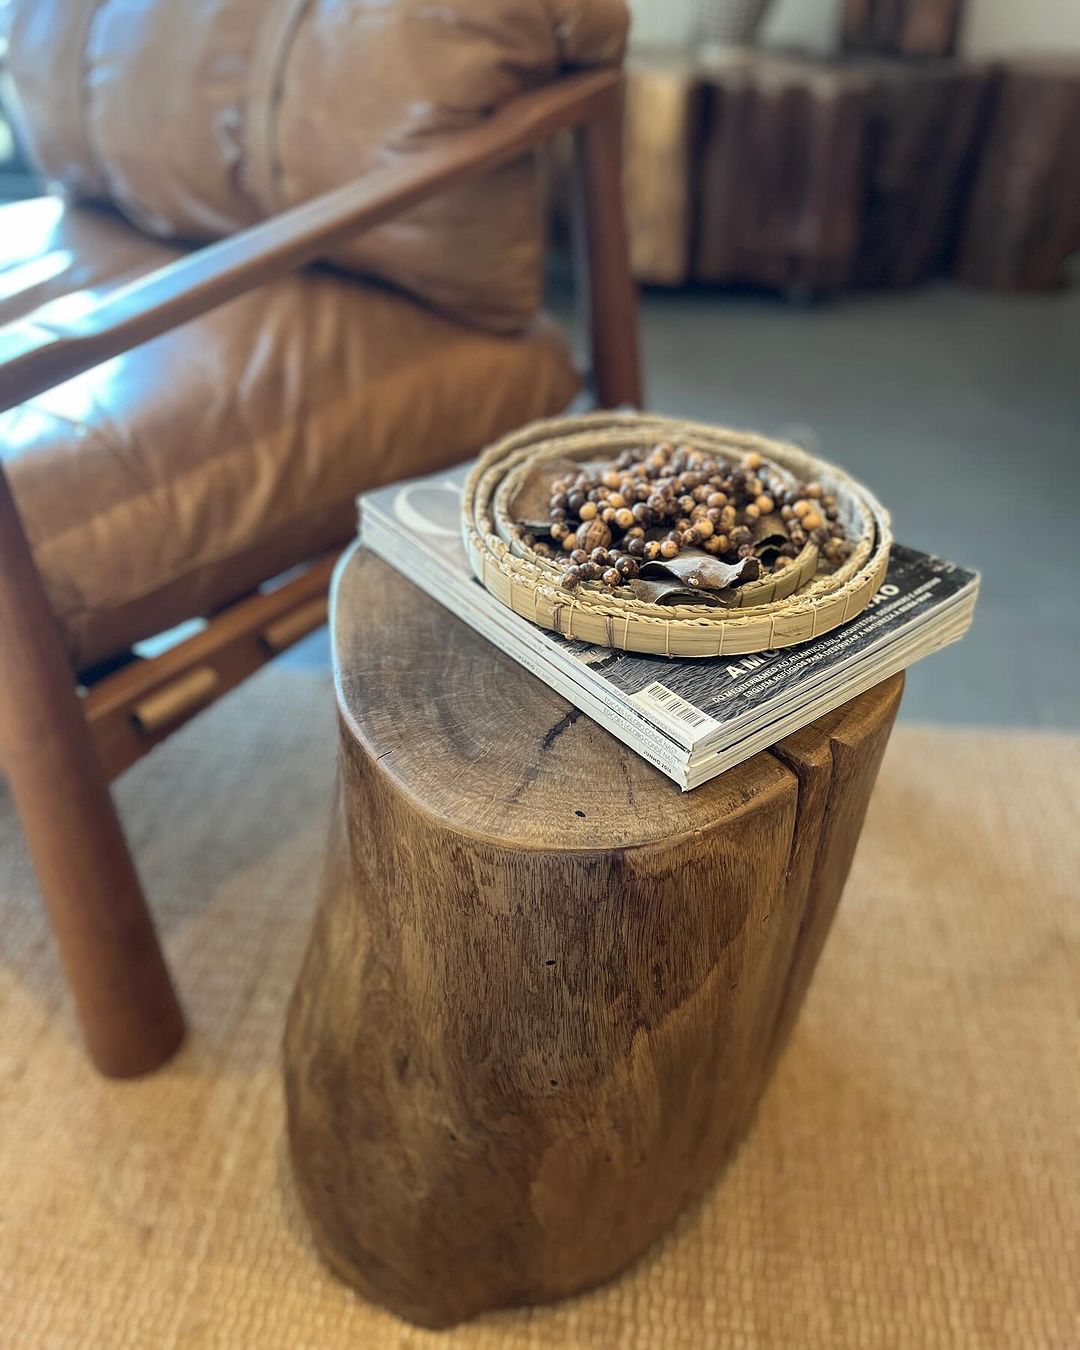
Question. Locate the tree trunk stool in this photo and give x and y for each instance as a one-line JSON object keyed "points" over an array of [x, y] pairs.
{"points": [[545, 989]]}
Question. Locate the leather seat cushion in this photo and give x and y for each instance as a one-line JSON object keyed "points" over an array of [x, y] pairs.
{"points": [[169, 481]]}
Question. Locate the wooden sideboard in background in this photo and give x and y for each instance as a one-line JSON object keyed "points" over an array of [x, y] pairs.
{"points": [[901, 27], [1022, 214], [816, 175]]}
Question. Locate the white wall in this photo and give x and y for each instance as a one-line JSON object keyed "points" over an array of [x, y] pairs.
{"points": [[810, 24], [1005, 27], [990, 27]]}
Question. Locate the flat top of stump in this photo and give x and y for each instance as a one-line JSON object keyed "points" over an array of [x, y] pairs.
{"points": [[472, 738]]}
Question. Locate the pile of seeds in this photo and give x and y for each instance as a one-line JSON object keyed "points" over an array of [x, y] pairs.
{"points": [[653, 506]]}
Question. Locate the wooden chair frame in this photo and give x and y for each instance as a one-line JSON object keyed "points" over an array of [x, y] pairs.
{"points": [[60, 745]]}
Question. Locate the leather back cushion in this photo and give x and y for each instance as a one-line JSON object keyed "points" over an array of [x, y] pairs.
{"points": [[199, 117]]}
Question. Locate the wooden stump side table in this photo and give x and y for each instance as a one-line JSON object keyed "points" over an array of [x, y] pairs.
{"points": [[545, 989]]}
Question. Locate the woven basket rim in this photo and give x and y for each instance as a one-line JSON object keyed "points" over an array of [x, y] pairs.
{"points": [[530, 587]]}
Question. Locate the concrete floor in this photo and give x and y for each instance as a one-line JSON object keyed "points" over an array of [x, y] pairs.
{"points": [[961, 409]]}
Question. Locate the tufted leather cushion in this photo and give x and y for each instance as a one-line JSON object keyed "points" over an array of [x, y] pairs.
{"points": [[198, 119], [170, 481]]}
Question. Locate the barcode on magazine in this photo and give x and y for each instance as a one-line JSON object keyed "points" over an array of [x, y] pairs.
{"points": [[666, 707]]}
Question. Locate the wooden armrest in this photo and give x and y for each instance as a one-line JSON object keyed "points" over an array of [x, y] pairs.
{"points": [[37, 353]]}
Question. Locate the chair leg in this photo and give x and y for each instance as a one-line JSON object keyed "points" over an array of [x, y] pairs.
{"points": [[605, 281], [123, 994]]}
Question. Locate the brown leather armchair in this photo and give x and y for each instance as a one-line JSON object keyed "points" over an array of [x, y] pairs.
{"points": [[179, 428]]}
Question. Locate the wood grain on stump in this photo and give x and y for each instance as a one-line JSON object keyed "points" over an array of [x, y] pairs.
{"points": [[544, 989]]}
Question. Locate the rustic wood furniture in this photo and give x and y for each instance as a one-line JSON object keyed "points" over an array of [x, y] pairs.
{"points": [[60, 743], [913, 28], [544, 990], [795, 172], [1022, 217]]}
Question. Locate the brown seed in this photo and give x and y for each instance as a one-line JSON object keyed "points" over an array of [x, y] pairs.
{"points": [[588, 511], [812, 521], [579, 556], [716, 499], [616, 500], [723, 543], [815, 490], [559, 485], [705, 528], [801, 508], [740, 535], [765, 504], [613, 577], [627, 566], [568, 544], [636, 547], [652, 550], [569, 578], [600, 555], [751, 512], [607, 515], [690, 538], [669, 549], [753, 460], [575, 501], [612, 478], [713, 545], [624, 518], [560, 530], [593, 534]]}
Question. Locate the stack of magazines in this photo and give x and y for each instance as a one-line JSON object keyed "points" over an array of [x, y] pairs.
{"points": [[691, 718]]}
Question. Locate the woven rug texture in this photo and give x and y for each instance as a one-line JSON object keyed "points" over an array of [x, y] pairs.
{"points": [[913, 1178]]}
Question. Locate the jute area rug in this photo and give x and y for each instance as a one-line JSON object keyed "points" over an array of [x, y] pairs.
{"points": [[912, 1179]]}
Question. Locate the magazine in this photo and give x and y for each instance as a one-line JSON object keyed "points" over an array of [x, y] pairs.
{"points": [[691, 718]]}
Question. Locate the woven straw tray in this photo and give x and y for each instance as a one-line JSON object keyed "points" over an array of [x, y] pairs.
{"points": [[778, 610]]}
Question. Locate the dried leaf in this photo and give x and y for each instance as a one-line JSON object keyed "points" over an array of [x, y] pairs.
{"points": [[530, 504], [672, 592], [769, 528], [700, 571]]}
